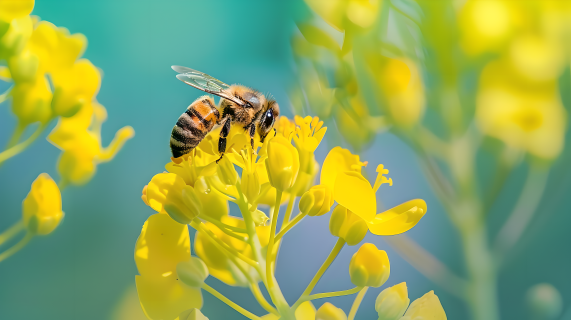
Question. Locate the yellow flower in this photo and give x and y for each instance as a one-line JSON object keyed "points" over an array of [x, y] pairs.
{"points": [[282, 163], [191, 314], [392, 302], [10, 9], [17, 33], [74, 87], [347, 225], [167, 193], [316, 201], [486, 26], [31, 101], [192, 272], [526, 115], [163, 244], [369, 266], [328, 311], [79, 137], [219, 265], [308, 135], [427, 307], [41, 210], [342, 172]]}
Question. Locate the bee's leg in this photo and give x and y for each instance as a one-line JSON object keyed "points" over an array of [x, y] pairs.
{"points": [[252, 134], [222, 140]]}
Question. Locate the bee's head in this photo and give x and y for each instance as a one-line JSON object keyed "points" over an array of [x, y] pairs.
{"points": [[269, 116]]}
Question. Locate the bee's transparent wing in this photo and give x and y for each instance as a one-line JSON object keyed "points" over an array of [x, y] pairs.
{"points": [[204, 82]]}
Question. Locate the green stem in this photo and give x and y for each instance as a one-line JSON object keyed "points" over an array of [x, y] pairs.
{"points": [[4, 96], [229, 302], [17, 247], [222, 227], [199, 226], [261, 300], [332, 255], [16, 149], [16, 135], [333, 294], [11, 232], [290, 225], [288, 211], [271, 243], [523, 212], [357, 303], [275, 293]]}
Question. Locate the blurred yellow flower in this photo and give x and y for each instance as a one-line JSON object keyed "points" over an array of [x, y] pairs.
{"points": [[163, 244], [219, 265], [16, 34], [392, 302], [328, 311], [369, 266], [31, 101], [525, 115], [305, 311], [11, 9], [79, 137], [487, 25], [41, 209], [427, 307]]}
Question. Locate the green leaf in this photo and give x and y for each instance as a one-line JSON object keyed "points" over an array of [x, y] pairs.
{"points": [[318, 37]]}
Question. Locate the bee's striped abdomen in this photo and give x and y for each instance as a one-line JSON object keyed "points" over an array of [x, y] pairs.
{"points": [[193, 125]]}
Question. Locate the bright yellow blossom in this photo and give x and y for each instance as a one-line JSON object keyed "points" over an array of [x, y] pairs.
{"points": [[11, 9], [41, 210], [427, 307], [163, 244], [392, 302], [167, 193], [328, 311], [369, 266]]}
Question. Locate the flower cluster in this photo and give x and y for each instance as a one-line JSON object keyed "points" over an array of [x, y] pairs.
{"points": [[242, 250], [459, 81], [50, 82]]}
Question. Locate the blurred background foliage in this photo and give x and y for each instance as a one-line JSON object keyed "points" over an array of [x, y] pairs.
{"points": [[466, 102]]}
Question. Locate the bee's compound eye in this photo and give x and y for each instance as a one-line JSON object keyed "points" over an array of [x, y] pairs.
{"points": [[269, 120]]}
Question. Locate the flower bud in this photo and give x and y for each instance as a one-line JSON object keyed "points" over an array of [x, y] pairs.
{"points": [[168, 193], [544, 301], [426, 307], [226, 172], [369, 266], [41, 210], [250, 185], [392, 302], [15, 37], [330, 312], [31, 101], [192, 272], [347, 225], [191, 314], [24, 67], [282, 163], [316, 201]]}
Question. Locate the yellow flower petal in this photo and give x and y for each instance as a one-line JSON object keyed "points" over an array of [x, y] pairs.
{"points": [[398, 219], [328, 311], [166, 298], [163, 243], [338, 160], [355, 193], [10, 9], [41, 209]]}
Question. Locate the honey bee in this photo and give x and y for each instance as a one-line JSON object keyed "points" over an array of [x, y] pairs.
{"points": [[238, 105]]}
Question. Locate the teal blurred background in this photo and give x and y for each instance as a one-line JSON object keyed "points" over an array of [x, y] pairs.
{"points": [[84, 268]]}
